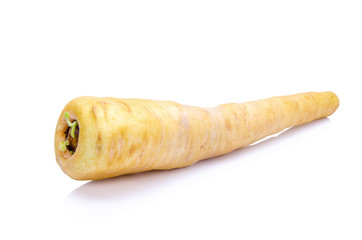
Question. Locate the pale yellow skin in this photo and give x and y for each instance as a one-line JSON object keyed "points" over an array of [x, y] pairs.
{"points": [[121, 136]]}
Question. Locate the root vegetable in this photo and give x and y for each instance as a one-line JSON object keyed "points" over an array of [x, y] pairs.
{"points": [[100, 138]]}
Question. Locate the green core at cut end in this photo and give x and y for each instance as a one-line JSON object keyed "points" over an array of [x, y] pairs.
{"points": [[63, 145], [72, 125]]}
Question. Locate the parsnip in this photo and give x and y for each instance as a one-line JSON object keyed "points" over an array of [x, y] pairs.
{"points": [[99, 138]]}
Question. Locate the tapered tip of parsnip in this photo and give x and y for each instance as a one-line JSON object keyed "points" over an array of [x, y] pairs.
{"points": [[333, 101]]}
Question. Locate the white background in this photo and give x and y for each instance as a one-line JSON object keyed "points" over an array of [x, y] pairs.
{"points": [[302, 184]]}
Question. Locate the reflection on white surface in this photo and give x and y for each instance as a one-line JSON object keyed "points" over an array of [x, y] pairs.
{"points": [[150, 190]]}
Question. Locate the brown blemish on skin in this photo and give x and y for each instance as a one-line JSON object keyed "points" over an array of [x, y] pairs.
{"points": [[125, 106], [99, 141], [141, 154], [204, 144], [132, 149], [296, 105], [227, 124], [93, 113]]}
